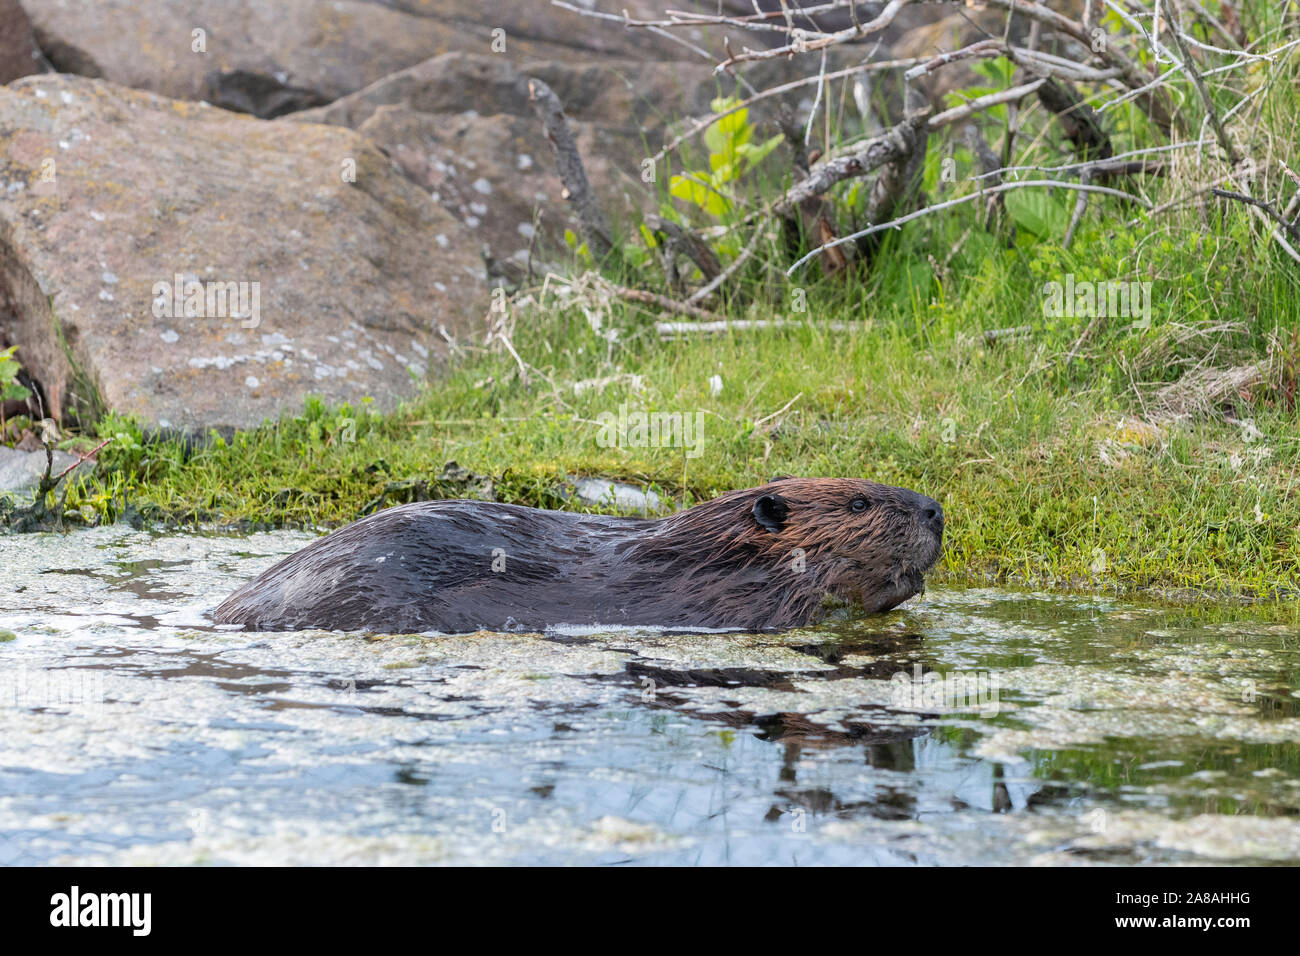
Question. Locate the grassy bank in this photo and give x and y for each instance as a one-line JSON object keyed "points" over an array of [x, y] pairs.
{"points": [[1052, 472], [1154, 450]]}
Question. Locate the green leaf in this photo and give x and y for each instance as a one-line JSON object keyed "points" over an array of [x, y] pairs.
{"points": [[710, 200], [1038, 212], [754, 154]]}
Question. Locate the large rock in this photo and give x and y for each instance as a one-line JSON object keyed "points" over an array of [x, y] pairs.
{"points": [[108, 194], [461, 126], [269, 58], [22, 471], [18, 53]]}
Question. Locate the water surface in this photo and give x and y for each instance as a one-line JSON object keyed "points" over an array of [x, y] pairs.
{"points": [[1066, 730]]}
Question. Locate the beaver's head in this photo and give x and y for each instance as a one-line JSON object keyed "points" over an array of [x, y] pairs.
{"points": [[796, 542], [866, 543]]}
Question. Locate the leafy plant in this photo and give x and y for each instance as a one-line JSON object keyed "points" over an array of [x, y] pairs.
{"points": [[9, 369], [732, 154]]}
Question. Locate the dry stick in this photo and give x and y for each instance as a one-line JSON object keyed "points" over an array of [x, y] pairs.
{"points": [[1036, 60], [1080, 207], [896, 142], [1132, 74], [780, 411], [81, 457], [803, 44], [651, 298], [1076, 167], [577, 189], [702, 125], [894, 224], [1175, 28], [984, 102], [1084, 335], [1267, 207], [666, 329], [702, 293], [982, 48]]}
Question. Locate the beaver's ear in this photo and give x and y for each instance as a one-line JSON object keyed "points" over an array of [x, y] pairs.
{"points": [[770, 511]]}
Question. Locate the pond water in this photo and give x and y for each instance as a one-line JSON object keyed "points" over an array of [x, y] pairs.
{"points": [[1055, 729]]}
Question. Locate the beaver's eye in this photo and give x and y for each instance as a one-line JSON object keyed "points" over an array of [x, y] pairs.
{"points": [[858, 504]]}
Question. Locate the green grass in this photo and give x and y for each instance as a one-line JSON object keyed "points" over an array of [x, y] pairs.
{"points": [[1008, 437], [1045, 449]]}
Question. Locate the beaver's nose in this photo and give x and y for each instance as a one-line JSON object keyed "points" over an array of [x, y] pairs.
{"points": [[933, 515], [930, 512]]}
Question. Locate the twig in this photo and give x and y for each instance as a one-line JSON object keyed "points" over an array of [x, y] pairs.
{"points": [[1267, 207], [895, 143], [1175, 28], [1080, 207], [662, 301], [667, 329], [780, 411], [894, 224], [81, 457], [703, 292], [940, 120], [577, 189], [805, 44]]}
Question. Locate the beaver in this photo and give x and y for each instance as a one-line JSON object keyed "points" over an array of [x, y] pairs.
{"points": [[768, 558]]}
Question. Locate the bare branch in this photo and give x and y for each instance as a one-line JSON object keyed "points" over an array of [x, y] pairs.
{"points": [[894, 224], [894, 143], [1176, 30], [577, 189], [803, 43]]}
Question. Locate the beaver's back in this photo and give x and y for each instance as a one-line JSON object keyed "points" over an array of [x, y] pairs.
{"points": [[438, 565]]}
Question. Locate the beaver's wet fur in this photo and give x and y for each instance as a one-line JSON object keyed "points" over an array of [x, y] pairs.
{"points": [[766, 558]]}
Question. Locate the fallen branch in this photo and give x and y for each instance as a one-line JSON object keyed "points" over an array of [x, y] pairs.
{"points": [[894, 224], [1212, 114], [577, 189], [1266, 207], [662, 301], [678, 240], [703, 292], [895, 143], [748, 325]]}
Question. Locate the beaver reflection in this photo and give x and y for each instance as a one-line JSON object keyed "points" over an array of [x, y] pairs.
{"points": [[782, 555], [907, 750]]}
